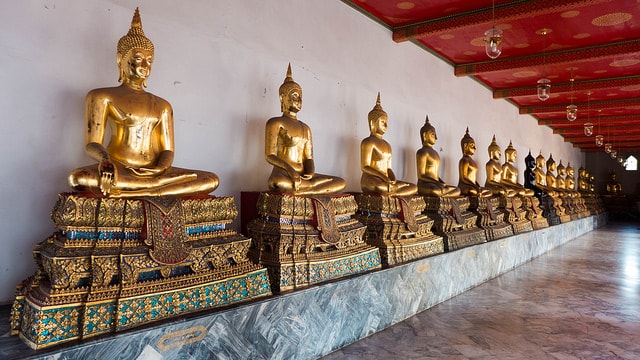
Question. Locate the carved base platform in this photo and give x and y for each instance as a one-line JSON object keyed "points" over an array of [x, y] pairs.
{"points": [[549, 209], [490, 219], [305, 240], [534, 212], [515, 214], [398, 227], [114, 264], [453, 221]]}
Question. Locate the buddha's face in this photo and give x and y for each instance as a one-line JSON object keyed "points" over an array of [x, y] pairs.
{"points": [[137, 64], [551, 166], [540, 163], [379, 126], [429, 137], [292, 101], [562, 171], [469, 148], [495, 154], [570, 172], [510, 156]]}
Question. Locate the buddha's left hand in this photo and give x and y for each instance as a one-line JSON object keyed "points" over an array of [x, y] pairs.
{"points": [[146, 172]]}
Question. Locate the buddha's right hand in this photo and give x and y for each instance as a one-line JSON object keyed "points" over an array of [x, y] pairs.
{"points": [[107, 176]]}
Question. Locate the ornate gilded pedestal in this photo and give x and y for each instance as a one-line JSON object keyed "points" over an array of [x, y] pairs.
{"points": [[453, 222], [303, 240], [534, 213], [114, 264], [397, 226], [515, 214], [490, 219], [549, 209]]}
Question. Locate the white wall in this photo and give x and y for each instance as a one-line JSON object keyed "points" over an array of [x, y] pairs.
{"points": [[220, 64]]}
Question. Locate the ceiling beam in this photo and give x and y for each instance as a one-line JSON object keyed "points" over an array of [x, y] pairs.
{"points": [[604, 121], [503, 13], [607, 104], [566, 57], [565, 88]]}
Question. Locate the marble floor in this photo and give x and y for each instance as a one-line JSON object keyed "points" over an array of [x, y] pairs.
{"points": [[578, 301]]}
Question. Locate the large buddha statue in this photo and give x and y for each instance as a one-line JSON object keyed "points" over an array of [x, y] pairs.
{"points": [[289, 148], [583, 180], [468, 169], [375, 159], [494, 172], [561, 177], [510, 172], [138, 157], [428, 164]]}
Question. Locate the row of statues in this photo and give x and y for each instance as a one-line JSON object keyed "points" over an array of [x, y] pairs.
{"points": [[137, 159]]}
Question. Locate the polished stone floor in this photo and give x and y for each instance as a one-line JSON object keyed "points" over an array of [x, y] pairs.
{"points": [[578, 301]]}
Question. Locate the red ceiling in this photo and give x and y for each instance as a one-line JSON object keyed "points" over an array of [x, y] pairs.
{"points": [[595, 42]]}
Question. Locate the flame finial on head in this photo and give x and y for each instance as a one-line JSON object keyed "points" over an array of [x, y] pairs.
{"points": [[135, 37], [377, 111]]}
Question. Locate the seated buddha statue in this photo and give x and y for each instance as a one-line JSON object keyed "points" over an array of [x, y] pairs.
{"points": [[614, 187], [428, 163], [510, 172], [583, 180], [531, 175], [494, 172], [375, 159], [552, 181], [468, 169], [569, 180], [138, 159], [541, 175], [289, 148]]}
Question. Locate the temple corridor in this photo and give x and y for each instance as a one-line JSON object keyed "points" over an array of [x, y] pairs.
{"points": [[578, 301]]}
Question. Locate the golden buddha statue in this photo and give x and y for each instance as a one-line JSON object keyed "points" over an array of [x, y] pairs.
{"points": [[375, 159], [614, 187], [428, 163], [137, 161], [569, 180], [289, 148], [510, 172], [562, 173], [494, 172], [468, 169], [541, 175], [583, 180]]}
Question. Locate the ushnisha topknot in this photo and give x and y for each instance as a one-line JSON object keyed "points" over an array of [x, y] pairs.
{"points": [[466, 139], [377, 111], [288, 84], [550, 160], [494, 145], [426, 127], [135, 38]]}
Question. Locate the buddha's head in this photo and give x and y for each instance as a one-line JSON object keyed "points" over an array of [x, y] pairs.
{"points": [[551, 164], [135, 52], [290, 94], [510, 153], [377, 119], [582, 172], [467, 144], [570, 171], [428, 133], [494, 149], [561, 169], [612, 175], [530, 161], [540, 162]]}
